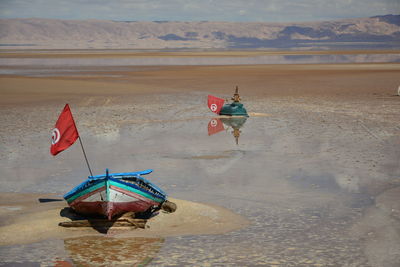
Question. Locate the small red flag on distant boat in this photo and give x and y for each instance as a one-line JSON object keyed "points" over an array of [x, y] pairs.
{"points": [[64, 133], [215, 103], [215, 126]]}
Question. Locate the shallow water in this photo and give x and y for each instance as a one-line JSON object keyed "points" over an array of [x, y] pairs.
{"points": [[57, 66], [305, 176], [302, 183]]}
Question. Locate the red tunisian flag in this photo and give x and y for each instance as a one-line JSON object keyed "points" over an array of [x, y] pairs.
{"points": [[215, 126], [64, 133], [215, 103]]}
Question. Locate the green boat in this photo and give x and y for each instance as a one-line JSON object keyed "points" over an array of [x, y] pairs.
{"points": [[235, 108]]}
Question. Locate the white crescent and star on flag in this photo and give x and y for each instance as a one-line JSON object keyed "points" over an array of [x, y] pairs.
{"points": [[64, 133], [55, 136]]}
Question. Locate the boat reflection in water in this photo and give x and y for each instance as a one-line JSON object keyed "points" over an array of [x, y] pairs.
{"points": [[217, 125], [108, 251]]}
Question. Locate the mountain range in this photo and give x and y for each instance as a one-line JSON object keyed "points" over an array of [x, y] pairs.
{"points": [[372, 32]]}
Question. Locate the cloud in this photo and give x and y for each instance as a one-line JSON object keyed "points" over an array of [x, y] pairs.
{"points": [[197, 10]]}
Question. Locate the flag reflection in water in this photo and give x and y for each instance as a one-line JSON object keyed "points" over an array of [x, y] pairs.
{"points": [[217, 125]]}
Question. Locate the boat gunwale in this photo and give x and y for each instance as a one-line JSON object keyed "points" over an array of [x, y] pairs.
{"points": [[85, 185]]}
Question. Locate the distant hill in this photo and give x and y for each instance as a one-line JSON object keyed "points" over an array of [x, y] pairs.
{"points": [[373, 32]]}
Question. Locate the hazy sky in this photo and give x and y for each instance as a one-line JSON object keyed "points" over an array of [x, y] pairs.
{"points": [[198, 10]]}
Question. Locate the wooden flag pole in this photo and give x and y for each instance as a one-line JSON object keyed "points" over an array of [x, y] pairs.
{"points": [[84, 153]]}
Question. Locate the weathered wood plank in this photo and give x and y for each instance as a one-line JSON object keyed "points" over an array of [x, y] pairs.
{"points": [[121, 222]]}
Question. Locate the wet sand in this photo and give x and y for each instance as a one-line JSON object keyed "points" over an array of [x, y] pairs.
{"points": [[26, 220], [312, 80], [317, 175]]}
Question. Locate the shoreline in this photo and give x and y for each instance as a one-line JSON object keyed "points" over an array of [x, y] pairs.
{"points": [[117, 53]]}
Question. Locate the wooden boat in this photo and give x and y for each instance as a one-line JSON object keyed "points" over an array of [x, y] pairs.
{"points": [[116, 193]]}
